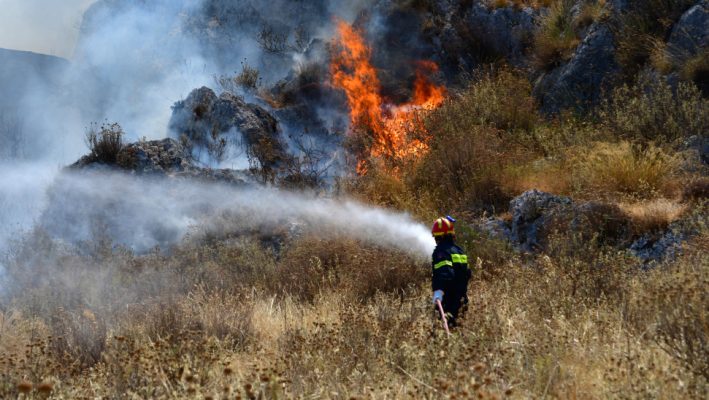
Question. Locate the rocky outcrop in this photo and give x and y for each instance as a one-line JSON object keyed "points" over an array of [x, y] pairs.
{"points": [[158, 156], [227, 125], [580, 82], [507, 31], [167, 158], [532, 213], [466, 35], [689, 43], [691, 33], [651, 248], [538, 217]]}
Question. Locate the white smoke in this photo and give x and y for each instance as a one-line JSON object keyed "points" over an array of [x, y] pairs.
{"points": [[133, 61], [142, 214], [23, 197]]}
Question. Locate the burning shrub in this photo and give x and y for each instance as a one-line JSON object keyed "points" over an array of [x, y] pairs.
{"points": [[106, 143], [386, 127], [475, 136]]}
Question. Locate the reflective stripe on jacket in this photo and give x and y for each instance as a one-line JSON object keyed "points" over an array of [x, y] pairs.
{"points": [[449, 265]]}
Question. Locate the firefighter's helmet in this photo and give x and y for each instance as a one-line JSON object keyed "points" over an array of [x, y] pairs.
{"points": [[442, 227]]}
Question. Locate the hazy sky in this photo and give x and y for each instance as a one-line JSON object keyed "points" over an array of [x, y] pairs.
{"points": [[42, 26]]}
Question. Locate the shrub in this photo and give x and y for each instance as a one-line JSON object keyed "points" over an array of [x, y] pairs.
{"points": [[696, 69], [556, 39], [638, 29], [590, 12], [247, 80], [465, 165], [547, 175], [106, 143], [474, 136], [502, 100], [671, 308], [651, 111], [623, 168], [314, 266], [696, 190]]}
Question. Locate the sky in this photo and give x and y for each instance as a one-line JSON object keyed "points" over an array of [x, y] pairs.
{"points": [[41, 26]]}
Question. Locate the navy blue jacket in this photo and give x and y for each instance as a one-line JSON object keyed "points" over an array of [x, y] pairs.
{"points": [[449, 267]]}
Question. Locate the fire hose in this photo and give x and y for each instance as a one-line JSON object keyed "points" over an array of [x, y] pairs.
{"points": [[443, 317]]}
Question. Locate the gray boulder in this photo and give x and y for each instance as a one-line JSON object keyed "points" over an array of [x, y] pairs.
{"points": [[580, 82], [690, 39], [163, 158], [157, 156], [506, 31], [532, 212], [536, 216], [227, 125], [495, 228], [691, 33], [650, 248]]}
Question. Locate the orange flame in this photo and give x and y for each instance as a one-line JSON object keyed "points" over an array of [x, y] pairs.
{"points": [[390, 125]]}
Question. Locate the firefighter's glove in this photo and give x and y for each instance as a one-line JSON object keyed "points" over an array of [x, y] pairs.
{"points": [[437, 296]]}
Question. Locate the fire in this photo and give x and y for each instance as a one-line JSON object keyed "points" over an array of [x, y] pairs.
{"points": [[389, 124]]}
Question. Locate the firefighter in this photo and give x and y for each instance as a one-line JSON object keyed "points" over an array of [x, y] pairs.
{"points": [[450, 270]]}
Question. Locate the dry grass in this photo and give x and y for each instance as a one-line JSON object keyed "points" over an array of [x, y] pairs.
{"points": [[591, 11], [639, 29], [624, 168], [556, 39], [551, 176], [518, 4], [558, 327], [232, 313], [655, 215], [696, 69], [651, 110]]}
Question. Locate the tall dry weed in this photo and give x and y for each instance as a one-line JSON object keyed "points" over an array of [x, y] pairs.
{"points": [[624, 168]]}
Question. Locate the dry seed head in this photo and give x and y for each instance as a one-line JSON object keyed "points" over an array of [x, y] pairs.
{"points": [[45, 387], [24, 386]]}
